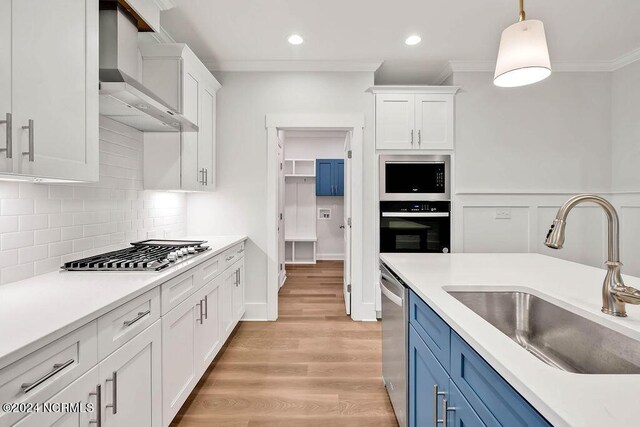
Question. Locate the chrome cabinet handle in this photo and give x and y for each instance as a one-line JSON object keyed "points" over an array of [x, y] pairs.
{"points": [[199, 319], [237, 278], [419, 137], [206, 177], [9, 127], [27, 387], [437, 393], [445, 409], [114, 393], [201, 182], [229, 258], [411, 136], [98, 395], [206, 306], [30, 153], [140, 315]]}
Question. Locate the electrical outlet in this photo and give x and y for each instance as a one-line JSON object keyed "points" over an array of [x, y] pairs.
{"points": [[503, 213]]}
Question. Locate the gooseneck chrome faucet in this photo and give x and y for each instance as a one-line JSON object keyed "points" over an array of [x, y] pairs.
{"points": [[614, 292]]}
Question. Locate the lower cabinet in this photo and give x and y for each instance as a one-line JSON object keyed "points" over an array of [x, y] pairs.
{"points": [[238, 292], [451, 385], [208, 336], [123, 390]]}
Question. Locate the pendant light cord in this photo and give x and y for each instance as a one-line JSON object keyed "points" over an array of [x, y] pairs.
{"points": [[523, 16]]}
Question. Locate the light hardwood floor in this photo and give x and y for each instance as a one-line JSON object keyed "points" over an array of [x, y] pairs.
{"points": [[313, 367]]}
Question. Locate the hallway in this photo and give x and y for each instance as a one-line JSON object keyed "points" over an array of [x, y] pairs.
{"points": [[313, 367]]}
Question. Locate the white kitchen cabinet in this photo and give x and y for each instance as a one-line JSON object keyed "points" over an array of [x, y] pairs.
{"points": [[6, 162], [84, 392], [131, 382], [414, 118], [54, 88], [182, 160], [229, 280], [238, 292], [208, 336], [178, 355]]}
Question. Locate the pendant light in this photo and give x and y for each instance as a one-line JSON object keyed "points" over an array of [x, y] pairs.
{"points": [[523, 57]]}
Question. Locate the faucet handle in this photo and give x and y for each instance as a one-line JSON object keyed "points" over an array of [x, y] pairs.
{"points": [[626, 294]]}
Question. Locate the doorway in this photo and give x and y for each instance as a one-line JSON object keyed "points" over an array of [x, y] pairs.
{"points": [[315, 203]]}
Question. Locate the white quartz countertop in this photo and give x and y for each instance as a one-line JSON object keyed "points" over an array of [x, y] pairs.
{"points": [[565, 399], [39, 310]]}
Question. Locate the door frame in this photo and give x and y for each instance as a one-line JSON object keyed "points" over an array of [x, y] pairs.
{"points": [[347, 122]]}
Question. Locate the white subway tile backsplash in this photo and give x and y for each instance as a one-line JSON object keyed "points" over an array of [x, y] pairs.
{"points": [[16, 206], [16, 240], [44, 226]]}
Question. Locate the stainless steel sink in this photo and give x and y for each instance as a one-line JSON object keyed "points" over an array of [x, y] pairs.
{"points": [[554, 335]]}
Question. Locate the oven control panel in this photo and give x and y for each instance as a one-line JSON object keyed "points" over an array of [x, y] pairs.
{"points": [[417, 206]]}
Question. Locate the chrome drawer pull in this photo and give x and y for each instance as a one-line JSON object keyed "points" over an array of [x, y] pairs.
{"points": [[30, 153], [229, 258], [98, 395], [9, 148], [27, 387], [437, 393], [206, 306], [200, 304], [114, 393], [445, 409], [140, 315]]}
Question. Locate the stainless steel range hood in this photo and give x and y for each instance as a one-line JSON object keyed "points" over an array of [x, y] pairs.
{"points": [[122, 97]]}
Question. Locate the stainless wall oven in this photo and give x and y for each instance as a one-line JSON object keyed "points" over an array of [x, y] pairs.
{"points": [[415, 177], [415, 226]]}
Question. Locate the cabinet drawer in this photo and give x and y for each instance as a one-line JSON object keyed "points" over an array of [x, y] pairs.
{"points": [[211, 268], [125, 322], [179, 289], [487, 392], [43, 373], [232, 255], [432, 329]]}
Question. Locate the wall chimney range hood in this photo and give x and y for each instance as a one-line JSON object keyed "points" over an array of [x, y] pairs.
{"points": [[122, 97]]}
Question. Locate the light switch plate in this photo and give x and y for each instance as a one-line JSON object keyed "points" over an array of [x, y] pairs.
{"points": [[503, 213]]}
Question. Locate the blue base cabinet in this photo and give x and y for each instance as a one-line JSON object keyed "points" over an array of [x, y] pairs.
{"points": [[329, 177], [451, 385]]}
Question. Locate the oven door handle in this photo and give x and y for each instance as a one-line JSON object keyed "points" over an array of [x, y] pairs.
{"points": [[392, 297], [415, 214]]}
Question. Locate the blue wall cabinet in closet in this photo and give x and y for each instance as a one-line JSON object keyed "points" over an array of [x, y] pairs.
{"points": [[329, 177]]}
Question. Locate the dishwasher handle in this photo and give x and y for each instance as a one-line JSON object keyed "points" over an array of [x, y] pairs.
{"points": [[392, 297]]}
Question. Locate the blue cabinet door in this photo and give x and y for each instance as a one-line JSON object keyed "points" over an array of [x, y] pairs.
{"points": [[428, 383], [339, 177], [324, 177]]}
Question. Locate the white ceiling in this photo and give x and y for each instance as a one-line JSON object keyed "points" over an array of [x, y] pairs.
{"points": [[223, 31]]}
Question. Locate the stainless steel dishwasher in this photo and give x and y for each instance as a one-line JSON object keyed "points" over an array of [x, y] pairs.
{"points": [[395, 296]]}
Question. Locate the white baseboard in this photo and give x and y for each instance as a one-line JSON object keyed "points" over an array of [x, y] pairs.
{"points": [[255, 311], [330, 257]]}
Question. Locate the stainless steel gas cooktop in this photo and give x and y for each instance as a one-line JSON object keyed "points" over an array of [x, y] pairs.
{"points": [[147, 255]]}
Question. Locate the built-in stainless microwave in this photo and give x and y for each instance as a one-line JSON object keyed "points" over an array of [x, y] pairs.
{"points": [[415, 177]]}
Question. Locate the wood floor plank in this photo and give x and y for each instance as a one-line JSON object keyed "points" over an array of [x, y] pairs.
{"points": [[313, 367]]}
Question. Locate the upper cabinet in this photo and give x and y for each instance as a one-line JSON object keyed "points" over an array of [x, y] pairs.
{"points": [[329, 177], [49, 89], [414, 118], [184, 160]]}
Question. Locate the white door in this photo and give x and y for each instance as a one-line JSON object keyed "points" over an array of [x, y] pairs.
{"points": [[238, 292], [347, 224], [229, 277], [208, 331], [55, 88], [282, 273], [6, 162], [434, 121], [130, 380], [82, 391], [395, 121], [178, 356]]}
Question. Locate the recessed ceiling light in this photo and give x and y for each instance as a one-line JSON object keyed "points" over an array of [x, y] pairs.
{"points": [[413, 40], [295, 39]]}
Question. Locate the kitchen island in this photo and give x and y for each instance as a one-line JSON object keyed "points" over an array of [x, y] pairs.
{"points": [[562, 398]]}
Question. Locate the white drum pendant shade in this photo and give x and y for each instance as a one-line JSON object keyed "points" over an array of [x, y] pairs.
{"points": [[523, 57]]}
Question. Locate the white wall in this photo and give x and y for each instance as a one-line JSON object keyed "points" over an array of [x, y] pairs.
{"points": [[43, 226], [527, 150], [322, 145], [238, 205]]}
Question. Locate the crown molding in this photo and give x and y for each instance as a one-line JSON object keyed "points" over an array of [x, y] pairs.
{"points": [[626, 59], [285, 65], [443, 90]]}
